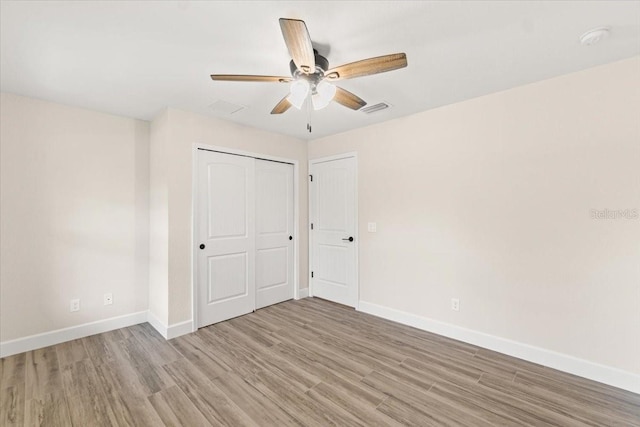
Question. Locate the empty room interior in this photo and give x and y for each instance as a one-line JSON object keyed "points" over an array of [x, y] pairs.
{"points": [[319, 213]]}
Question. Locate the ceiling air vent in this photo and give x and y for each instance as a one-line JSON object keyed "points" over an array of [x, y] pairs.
{"points": [[370, 109], [225, 108]]}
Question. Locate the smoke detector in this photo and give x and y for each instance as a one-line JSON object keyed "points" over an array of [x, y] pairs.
{"points": [[592, 37]]}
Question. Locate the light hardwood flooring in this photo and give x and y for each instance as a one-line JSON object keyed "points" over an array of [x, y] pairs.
{"points": [[307, 362]]}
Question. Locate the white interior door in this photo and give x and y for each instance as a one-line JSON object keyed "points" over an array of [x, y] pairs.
{"points": [[226, 238], [333, 215], [274, 232]]}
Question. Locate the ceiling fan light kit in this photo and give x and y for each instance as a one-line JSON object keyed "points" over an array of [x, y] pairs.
{"points": [[311, 76], [299, 92], [324, 94]]}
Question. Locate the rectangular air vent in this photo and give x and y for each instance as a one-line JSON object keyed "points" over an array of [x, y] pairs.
{"points": [[224, 107], [370, 109]]}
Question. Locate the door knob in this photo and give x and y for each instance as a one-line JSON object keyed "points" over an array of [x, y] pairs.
{"points": [[290, 237], [349, 239], [202, 246]]}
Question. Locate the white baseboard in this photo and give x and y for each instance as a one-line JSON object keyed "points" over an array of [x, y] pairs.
{"points": [[178, 329], [171, 331], [562, 362], [33, 342], [303, 293], [157, 324]]}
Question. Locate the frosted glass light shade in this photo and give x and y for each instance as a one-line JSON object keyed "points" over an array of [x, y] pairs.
{"points": [[299, 92], [325, 92]]}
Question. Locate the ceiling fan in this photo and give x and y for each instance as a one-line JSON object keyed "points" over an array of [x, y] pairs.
{"points": [[311, 75]]}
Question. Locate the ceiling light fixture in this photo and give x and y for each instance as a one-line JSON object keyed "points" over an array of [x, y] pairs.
{"points": [[594, 36], [299, 91], [323, 95]]}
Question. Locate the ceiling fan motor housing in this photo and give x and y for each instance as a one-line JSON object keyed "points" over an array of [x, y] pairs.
{"points": [[321, 62]]}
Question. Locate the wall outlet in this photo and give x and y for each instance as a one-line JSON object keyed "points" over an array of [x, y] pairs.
{"points": [[74, 305], [455, 304], [372, 227], [108, 299]]}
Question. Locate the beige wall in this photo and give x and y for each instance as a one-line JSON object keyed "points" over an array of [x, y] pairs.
{"points": [[183, 130], [159, 219], [489, 201], [73, 215]]}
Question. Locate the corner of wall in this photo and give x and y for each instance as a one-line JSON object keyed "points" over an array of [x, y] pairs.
{"points": [[159, 221]]}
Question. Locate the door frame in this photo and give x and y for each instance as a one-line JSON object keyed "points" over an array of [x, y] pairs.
{"points": [[354, 155], [194, 207]]}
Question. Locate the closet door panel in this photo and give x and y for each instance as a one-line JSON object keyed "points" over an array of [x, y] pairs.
{"points": [[226, 237], [274, 232]]}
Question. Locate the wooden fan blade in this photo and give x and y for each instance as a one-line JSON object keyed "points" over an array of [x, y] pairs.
{"points": [[299, 44], [380, 64], [349, 100], [281, 106], [249, 78]]}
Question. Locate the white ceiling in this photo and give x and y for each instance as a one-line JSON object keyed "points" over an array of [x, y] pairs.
{"points": [[136, 58]]}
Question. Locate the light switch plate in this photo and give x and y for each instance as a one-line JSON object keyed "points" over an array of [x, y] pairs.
{"points": [[372, 227]]}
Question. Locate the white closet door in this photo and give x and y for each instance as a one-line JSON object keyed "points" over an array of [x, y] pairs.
{"points": [[274, 232], [226, 237], [333, 214]]}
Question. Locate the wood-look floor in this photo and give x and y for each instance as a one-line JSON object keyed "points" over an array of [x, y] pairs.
{"points": [[307, 362]]}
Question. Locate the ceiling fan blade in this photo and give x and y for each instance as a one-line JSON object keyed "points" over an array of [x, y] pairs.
{"points": [[380, 64], [299, 44], [249, 78], [281, 106], [349, 100]]}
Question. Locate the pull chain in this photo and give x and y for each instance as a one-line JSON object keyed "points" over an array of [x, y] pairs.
{"points": [[309, 114]]}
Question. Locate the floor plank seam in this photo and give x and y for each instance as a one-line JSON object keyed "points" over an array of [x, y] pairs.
{"points": [[383, 401]]}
